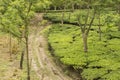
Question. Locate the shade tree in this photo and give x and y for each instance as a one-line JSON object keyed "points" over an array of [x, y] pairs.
{"points": [[88, 21], [15, 17]]}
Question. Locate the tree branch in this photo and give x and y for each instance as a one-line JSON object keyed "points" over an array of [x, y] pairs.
{"points": [[88, 29], [79, 23]]}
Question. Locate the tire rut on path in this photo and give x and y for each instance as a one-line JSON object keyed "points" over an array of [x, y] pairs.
{"points": [[41, 62]]}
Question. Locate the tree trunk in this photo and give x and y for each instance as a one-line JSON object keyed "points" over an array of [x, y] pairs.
{"points": [[28, 63], [100, 33], [99, 30], [118, 9], [119, 27], [62, 20], [69, 16], [26, 40], [10, 46], [119, 16], [73, 8], [21, 60], [84, 36], [55, 8]]}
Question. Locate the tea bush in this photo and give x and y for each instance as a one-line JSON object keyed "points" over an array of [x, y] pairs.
{"points": [[102, 61]]}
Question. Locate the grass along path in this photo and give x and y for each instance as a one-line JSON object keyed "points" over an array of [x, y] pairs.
{"points": [[9, 68]]}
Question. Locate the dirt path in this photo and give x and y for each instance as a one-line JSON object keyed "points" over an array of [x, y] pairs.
{"points": [[42, 62]]}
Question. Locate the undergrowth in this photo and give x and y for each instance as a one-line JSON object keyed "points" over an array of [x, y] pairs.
{"points": [[102, 61]]}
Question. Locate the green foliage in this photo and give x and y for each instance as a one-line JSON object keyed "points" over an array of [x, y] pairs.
{"points": [[93, 74], [41, 5], [103, 56], [102, 60], [113, 75], [13, 17], [108, 18]]}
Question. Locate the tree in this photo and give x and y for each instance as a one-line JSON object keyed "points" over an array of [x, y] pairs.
{"points": [[55, 3], [117, 6], [85, 28], [26, 22], [64, 5], [8, 21], [12, 25], [100, 9], [42, 5]]}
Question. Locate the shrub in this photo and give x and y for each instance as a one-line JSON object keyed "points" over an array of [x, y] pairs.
{"points": [[102, 60]]}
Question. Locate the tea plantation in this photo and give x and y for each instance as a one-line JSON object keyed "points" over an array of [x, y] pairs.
{"points": [[101, 62]]}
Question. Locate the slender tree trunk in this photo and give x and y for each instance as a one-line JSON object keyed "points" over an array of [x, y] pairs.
{"points": [[28, 63], [63, 14], [85, 42], [45, 11], [22, 58], [55, 8], [100, 33], [26, 40], [73, 7], [99, 29], [10, 45], [118, 11], [119, 27], [62, 20], [27, 50], [69, 16]]}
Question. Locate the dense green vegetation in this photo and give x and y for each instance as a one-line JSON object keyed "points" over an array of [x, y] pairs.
{"points": [[14, 20], [71, 17], [85, 34], [102, 60]]}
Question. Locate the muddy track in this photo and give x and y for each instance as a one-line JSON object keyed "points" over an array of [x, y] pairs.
{"points": [[41, 61]]}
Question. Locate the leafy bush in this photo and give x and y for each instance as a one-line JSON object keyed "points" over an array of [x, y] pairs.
{"points": [[72, 17], [102, 60]]}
